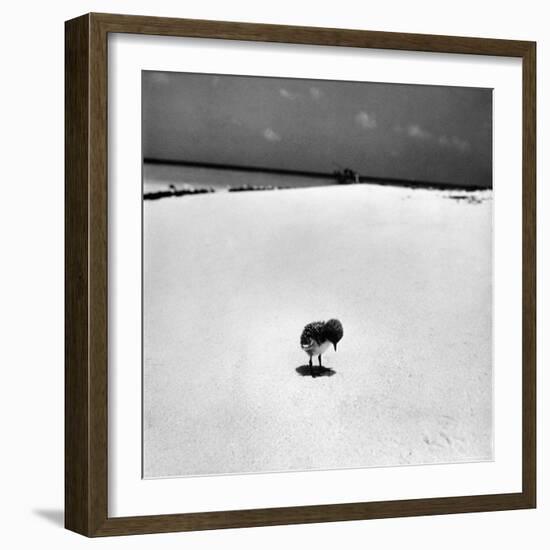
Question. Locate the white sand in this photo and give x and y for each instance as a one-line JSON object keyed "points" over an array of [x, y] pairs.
{"points": [[230, 279]]}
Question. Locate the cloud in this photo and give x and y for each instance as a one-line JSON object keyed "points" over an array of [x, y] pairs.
{"points": [[160, 77], [287, 94], [271, 135], [454, 142], [365, 120], [417, 132], [315, 93], [460, 144]]}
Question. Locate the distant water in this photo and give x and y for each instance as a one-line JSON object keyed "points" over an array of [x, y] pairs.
{"points": [[158, 177]]}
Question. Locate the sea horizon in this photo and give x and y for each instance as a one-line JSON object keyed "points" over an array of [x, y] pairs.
{"points": [[165, 178]]}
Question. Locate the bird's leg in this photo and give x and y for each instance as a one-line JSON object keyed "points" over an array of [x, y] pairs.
{"points": [[320, 366], [311, 366]]}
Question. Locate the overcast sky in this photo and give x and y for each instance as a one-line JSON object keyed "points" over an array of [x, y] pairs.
{"points": [[429, 133]]}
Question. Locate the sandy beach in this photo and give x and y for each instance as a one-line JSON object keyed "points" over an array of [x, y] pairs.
{"points": [[230, 279]]}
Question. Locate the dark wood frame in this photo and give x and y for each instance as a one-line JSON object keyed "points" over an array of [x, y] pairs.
{"points": [[86, 274]]}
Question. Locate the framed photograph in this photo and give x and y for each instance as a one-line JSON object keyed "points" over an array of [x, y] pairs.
{"points": [[300, 275]]}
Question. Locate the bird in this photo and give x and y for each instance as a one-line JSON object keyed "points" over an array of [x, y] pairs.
{"points": [[318, 336]]}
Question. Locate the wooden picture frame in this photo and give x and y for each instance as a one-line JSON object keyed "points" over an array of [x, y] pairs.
{"points": [[86, 283]]}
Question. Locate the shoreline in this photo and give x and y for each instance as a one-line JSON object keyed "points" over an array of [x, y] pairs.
{"points": [[362, 178], [172, 191]]}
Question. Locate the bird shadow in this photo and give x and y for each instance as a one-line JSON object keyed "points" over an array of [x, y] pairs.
{"points": [[306, 370]]}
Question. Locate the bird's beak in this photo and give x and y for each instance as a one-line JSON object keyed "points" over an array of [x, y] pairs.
{"points": [[335, 347]]}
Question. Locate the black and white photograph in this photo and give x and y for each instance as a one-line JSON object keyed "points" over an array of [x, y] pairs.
{"points": [[317, 274]]}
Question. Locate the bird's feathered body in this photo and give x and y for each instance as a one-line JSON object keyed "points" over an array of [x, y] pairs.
{"points": [[313, 339]]}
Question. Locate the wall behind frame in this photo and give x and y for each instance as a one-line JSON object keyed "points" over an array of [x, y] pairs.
{"points": [[31, 279]]}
